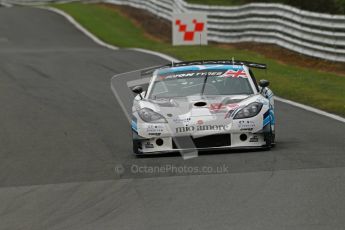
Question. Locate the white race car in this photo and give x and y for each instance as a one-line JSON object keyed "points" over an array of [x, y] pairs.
{"points": [[203, 105]]}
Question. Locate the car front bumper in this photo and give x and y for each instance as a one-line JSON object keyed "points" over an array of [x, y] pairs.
{"points": [[223, 141]]}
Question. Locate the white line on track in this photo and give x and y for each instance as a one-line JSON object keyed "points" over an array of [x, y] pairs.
{"points": [[172, 59], [164, 56], [311, 109], [5, 4]]}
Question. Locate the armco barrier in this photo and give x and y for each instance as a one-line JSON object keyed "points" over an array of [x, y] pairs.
{"points": [[314, 34]]}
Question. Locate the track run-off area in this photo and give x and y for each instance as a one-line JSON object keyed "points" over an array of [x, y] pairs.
{"points": [[63, 137]]}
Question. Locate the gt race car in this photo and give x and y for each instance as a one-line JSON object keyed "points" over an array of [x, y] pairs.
{"points": [[203, 105]]}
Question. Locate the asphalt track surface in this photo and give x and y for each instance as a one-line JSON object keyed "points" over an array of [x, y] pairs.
{"points": [[62, 135]]}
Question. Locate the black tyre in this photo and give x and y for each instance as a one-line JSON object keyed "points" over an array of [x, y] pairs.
{"points": [[269, 136], [135, 147], [136, 144]]}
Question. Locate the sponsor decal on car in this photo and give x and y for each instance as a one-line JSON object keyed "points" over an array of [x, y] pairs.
{"points": [[154, 134], [154, 128], [149, 145], [246, 125], [185, 129], [235, 74], [181, 120], [254, 139], [191, 74], [215, 107], [219, 107]]}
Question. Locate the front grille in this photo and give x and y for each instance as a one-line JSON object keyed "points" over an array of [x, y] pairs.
{"points": [[217, 140]]}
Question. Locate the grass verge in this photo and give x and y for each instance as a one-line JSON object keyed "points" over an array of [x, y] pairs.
{"points": [[319, 89]]}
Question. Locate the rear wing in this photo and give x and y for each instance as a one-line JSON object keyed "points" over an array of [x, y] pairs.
{"points": [[224, 62], [206, 62]]}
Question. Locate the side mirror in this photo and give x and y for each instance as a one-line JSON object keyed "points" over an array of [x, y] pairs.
{"points": [[138, 90], [264, 83]]}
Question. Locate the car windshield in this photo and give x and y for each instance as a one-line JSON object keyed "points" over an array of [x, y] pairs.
{"points": [[218, 81]]}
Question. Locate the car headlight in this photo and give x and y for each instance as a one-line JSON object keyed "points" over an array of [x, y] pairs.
{"points": [[250, 110], [148, 115]]}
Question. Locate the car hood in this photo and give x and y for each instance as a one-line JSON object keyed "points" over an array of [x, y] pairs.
{"points": [[197, 115], [195, 106]]}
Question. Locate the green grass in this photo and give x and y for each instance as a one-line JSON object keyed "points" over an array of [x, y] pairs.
{"points": [[319, 89]]}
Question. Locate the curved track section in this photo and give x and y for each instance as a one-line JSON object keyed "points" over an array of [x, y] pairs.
{"points": [[63, 138]]}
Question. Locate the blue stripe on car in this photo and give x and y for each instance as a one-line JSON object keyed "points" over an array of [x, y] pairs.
{"points": [[273, 120], [269, 118], [134, 126]]}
